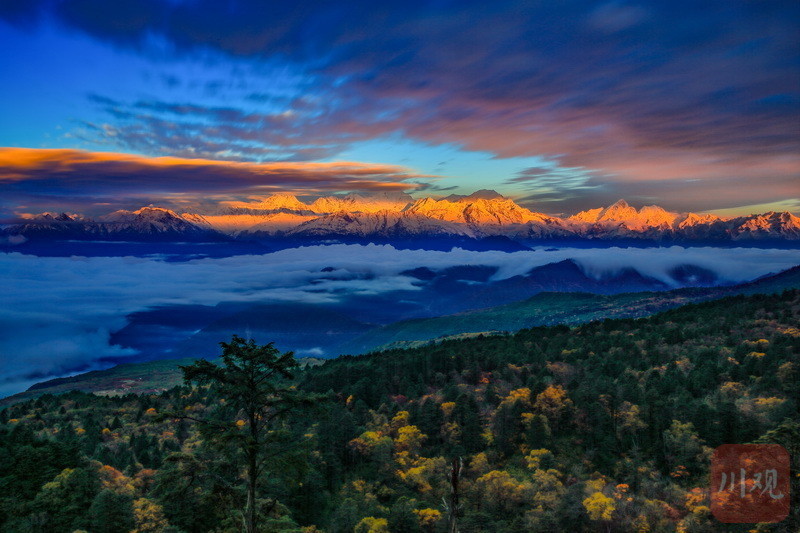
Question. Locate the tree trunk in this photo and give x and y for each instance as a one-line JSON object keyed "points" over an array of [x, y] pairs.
{"points": [[250, 511], [452, 520], [252, 474]]}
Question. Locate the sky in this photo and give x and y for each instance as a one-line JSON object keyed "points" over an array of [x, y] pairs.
{"points": [[562, 106]]}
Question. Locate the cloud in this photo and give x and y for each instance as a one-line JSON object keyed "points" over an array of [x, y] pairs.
{"points": [[304, 129], [57, 313], [69, 178], [615, 17], [580, 190]]}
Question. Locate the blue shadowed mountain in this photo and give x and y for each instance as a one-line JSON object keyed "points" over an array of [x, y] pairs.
{"points": [[327, 329]]}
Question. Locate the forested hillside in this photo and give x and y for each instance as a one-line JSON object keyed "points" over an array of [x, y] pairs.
{"points": [[551, 308], [606, 426]]}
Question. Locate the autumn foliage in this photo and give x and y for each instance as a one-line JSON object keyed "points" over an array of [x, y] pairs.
{"points": [[603, 427]]}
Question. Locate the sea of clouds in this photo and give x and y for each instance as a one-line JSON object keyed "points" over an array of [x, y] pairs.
{"points": [[56, 313]]}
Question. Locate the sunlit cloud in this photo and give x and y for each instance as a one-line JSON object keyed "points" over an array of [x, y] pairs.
{"points": [[45, 177]]}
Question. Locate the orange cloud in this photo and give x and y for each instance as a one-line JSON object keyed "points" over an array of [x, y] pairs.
{"points": [[30, 163], [32, 179]]}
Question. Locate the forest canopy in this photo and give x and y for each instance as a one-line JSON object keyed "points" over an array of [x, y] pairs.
{"points": [[606, 426]]}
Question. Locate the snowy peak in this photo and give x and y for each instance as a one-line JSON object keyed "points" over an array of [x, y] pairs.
{"points": [[498, 211], [694, 219], [378, 224], [157, 215], [589, 216], [144, 224], [356, 203], [280, 222], [617, 212], [493, 211], [386, 215], [653, 216], [44, 218], [621, 213], [622, 220], [280, 201], [767, 225], [149, 220]]}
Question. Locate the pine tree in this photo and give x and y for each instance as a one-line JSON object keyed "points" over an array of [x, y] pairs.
{"points": [[253, 381]]}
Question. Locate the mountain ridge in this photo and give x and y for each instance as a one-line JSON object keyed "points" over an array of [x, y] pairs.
{"points": [[482, 214]]}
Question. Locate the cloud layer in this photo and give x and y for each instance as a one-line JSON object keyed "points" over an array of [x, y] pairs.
{"points": [[56, 314]]}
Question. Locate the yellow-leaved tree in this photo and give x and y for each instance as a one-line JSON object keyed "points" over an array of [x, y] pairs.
{"points": [[599, 507]]}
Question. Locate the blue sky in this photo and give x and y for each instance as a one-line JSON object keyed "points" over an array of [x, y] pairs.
{"points": [[563, 106]]}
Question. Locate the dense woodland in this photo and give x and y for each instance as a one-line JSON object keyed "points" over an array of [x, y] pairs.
{"points": [[603, 427]]}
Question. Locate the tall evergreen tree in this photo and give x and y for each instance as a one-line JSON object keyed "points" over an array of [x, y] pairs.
{"points": [[254, 382]]}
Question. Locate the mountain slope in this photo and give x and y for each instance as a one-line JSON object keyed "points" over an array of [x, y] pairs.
{"points": [[151, 377], [138, 378], [542, 309], [549, 308]]}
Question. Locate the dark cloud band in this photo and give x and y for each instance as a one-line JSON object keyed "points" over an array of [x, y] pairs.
{"points": [[68, 177]]}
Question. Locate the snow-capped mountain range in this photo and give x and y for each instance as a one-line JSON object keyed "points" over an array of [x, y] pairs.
{"points": [[484, 214]]}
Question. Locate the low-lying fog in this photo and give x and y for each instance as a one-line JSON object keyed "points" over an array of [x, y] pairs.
{"points": [[58, 314]]}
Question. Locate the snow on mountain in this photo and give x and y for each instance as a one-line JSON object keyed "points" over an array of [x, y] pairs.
{"points": [[56, 217], [693, 219], [485, 209], [622, 214], [146, 223], [356, 203], [651, 221], [275, 202], [197, 220], [770, 225], [54, 226], [149, 221], [237, 221], [352, 203], [479, 215], [157, 215], [380, 224], [282, 212], [278, 223], [590, 216]]}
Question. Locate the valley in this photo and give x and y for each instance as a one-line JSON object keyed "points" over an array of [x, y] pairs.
{"points": [[313, 331]]}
